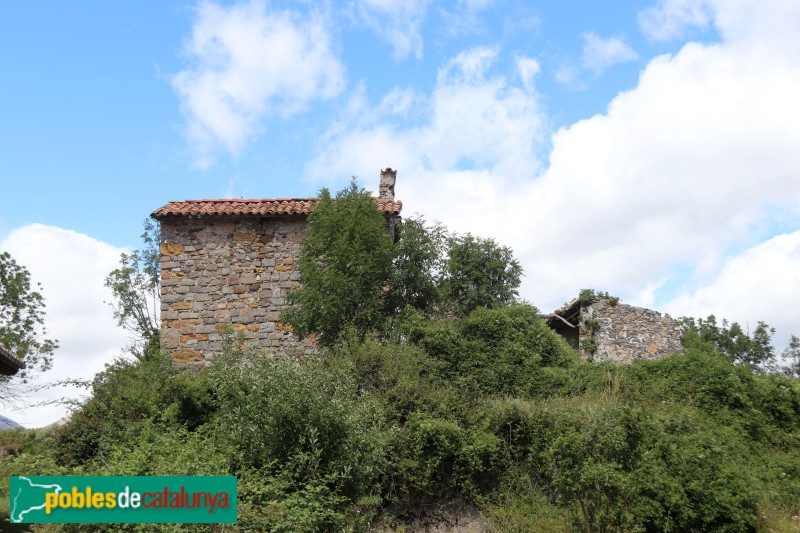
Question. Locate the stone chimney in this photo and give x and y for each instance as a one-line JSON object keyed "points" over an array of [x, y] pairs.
{"points": [[386, 187]]}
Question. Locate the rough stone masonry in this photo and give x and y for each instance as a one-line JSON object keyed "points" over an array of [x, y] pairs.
{"points": [[616, 332], [230, 263]]}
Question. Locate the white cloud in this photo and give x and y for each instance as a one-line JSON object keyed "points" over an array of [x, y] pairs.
{"points": [[682, 169], [766, 25], [466, 17], [475, 5], [398, 22], [569, 76], [477, 137], [247, 62], [71, 268], [600, 54], [528, 71], [669, 19], [761, 283]]}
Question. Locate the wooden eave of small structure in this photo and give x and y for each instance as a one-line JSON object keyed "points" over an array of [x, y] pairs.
{"points": [[9, 364], [570, 314]]}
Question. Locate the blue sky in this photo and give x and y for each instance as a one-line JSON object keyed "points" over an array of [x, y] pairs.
{"points": [[644, 148], [92, 136]]}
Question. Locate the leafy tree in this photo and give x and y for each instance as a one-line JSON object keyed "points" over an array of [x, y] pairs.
{"points": [[136, 290], [354, 276], [345, 262], [791, 354], [418, 263], [479, 273], [22, 328], [734, 342]]}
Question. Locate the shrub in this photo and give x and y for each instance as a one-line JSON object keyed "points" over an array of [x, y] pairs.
{"points": [[126, 394], [272, 500], [403, 378], [272, 410], [500, 348]]}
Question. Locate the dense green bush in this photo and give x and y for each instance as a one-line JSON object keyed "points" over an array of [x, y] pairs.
{"points": [[273, 411], [502, 349], [489, 410], [435, 457], [402, 378], [129, 393]]}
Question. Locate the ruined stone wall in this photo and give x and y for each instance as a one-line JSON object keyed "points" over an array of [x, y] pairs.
{"points": [[627, 333], [227, 271]]}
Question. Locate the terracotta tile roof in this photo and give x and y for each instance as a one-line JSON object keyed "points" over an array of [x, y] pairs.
{"points": [[9, 365], [266, 207]]}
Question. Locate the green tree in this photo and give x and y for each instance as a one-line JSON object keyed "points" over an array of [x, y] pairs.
{"points": [[345, 262], [355, 276], [136, 290], [791, 354], [22, 328], [479, 273], [418, 263], [734, 342]]}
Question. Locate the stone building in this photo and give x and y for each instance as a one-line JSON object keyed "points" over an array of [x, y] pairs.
{"points": [[606, 330], [230, 263]]}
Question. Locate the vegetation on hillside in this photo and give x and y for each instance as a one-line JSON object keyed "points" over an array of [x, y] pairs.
{"points": [[443, 393]]}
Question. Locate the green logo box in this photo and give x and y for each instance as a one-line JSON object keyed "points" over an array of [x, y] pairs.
{"points": [[122, 499]]}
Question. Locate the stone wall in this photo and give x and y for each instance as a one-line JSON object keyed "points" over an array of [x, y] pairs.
{"points": [[627, 333], [227, 271]]}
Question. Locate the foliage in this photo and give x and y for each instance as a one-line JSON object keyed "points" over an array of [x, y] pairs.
{"points": [[692, 442], [519, 506], [279, 502], [499, 348], [590, 328], [738, 345], [419, 255], [14, 441], [791, 355], [135, 287], [402, 378], [301, 411], [345, 263], [127, 395], [479, 273], [356, 279], [590, 296], [436, 457], [22, 328]]}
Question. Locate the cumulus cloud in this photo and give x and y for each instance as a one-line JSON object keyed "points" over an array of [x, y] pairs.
{"points": [[681, 171], [247, 62], [71, 267], [475, 141], [398, 22], [599, 54], [761, 283]]}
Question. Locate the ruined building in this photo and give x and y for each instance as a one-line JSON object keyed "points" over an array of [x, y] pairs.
{"points": [[230, 263], [603, 329]]}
